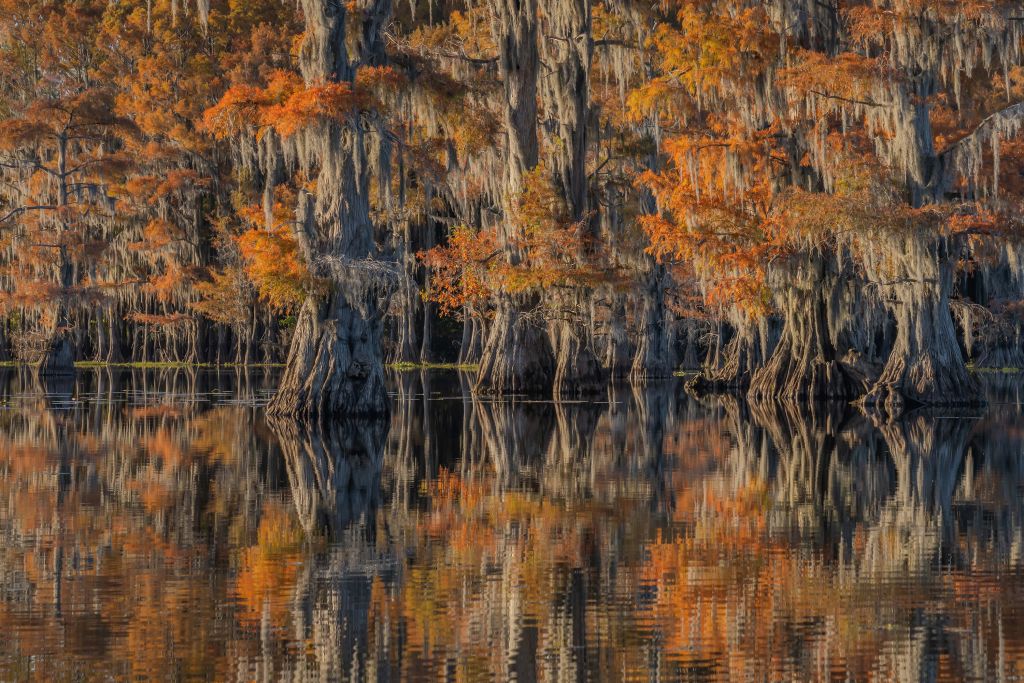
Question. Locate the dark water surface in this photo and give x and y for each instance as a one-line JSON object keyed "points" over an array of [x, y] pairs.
{"points": [[154, 526]]}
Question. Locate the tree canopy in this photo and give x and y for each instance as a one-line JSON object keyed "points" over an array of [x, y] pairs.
{"points": [[799, 198]]}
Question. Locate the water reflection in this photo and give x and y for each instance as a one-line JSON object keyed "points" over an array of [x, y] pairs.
{"points": [[154, 525]]}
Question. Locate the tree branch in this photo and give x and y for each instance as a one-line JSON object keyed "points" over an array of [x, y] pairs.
{"points": [[867, 103], [24, 209]]}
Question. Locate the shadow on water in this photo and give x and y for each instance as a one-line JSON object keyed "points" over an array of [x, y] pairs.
{"points": [[154, 523]]}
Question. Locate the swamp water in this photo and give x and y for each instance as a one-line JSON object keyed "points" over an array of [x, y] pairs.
{"points": [[155, 525]]}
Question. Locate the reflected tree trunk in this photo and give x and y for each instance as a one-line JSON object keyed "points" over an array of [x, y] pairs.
{"points": [[514, 437], [333, 470], [916, 527]]}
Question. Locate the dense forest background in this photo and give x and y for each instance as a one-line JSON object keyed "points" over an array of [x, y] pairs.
{"points": [[798, 198]]}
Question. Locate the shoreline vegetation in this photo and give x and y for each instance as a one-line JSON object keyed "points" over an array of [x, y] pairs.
{"points": [[90, 365], [808, 201]]}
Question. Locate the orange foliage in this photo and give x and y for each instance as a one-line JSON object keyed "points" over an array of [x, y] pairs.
{"points": [[224, 298], [545, 248], [460, 274], [288, 106], [269, 568], [274, 265]]}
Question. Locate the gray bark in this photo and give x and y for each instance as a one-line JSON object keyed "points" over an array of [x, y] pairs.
{"points": [[805, 363], [653, 358], [517, 357], [925, 366], [334, 366]]}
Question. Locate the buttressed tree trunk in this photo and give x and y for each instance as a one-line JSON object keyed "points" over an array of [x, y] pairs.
{"points": [[805, 363], [653, 358], [59, 353], [577, 369], [732, 366], [617, 355], [565, 94], [926, 365], [516, 357], [334, 365]]}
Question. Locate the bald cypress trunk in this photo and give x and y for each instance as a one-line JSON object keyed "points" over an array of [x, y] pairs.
{"points": [[731, 366], [334, 366], [617, 358], [577, 369], [405, 325], [472, 338], [516, 356], [926, 365], [59, 353], [58, 357], [568, 48], [653, 358], [805, 363]]}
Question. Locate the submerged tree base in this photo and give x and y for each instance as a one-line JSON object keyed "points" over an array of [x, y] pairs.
{"points": [[58, 357], [517, 357], [730, 371], [923, 381], [333, 367], [578, 372], [817, 379]]}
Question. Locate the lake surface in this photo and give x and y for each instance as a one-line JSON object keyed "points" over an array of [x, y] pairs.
{"points": [[154, 525]]}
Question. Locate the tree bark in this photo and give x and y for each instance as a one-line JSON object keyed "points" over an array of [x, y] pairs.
{"points": [[469, 347], [926, 365], [517, 357], [58, 359], [805, 363], [113, 354], [405, 350], [577, 369], [617, 357], [653, 358], [568, 50], [334, 365], [731, 368]]}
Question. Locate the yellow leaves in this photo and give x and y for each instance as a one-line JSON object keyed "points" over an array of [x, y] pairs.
{"points": [[710, 53], [663, 96], [472, 30], [225, 297]]}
